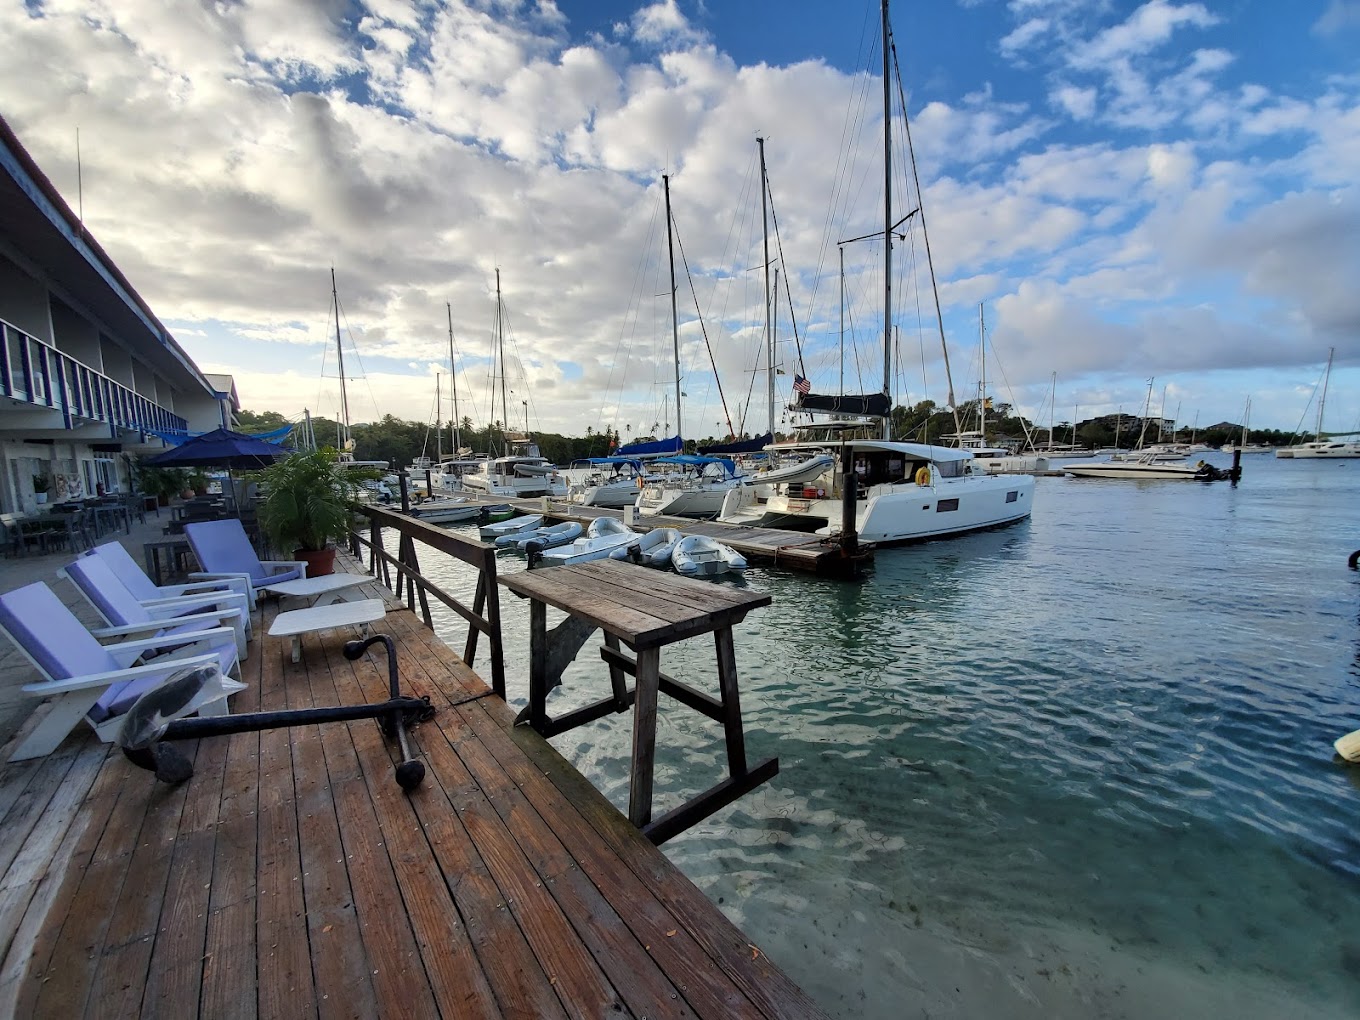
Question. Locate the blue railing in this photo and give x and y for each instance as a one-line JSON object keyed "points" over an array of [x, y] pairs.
{"points": [[33, 371]]}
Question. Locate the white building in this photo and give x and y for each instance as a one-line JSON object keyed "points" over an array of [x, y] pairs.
{"points": [[88, 374]]}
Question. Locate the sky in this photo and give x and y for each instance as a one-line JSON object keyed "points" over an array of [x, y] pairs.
{"points": [[1155, 198]]}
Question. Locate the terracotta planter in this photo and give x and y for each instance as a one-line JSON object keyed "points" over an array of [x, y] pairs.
{"points": [[319, 561]]}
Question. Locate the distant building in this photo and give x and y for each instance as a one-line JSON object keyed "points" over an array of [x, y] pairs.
{"points": [[88, 374]]}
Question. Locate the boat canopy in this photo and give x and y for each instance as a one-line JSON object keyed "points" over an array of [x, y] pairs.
{"points": [[741, 445], [691, 460], [598, 461], [659, 446]]}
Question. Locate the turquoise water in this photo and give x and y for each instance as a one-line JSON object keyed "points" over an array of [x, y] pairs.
{"points": [[1081, 766]]}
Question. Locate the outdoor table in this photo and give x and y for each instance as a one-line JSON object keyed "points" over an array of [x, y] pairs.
{"points": [[175, 549], [646, 610], [296, 622], [107, 517], [324, 589]]}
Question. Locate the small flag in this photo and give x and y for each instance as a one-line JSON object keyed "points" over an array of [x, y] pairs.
{"points": [[800, 384]]}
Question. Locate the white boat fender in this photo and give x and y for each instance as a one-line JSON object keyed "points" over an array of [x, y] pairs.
{"points": [[1349, 747]]}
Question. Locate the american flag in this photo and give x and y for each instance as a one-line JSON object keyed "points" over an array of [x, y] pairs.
{"points": [[800, 384]]}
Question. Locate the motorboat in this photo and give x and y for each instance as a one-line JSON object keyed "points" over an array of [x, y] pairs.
{"points": [[653, 549], [694, 486], [1146, 467], [612, 482], [547, 538], [604, 535], [701, 556], [444, 511], [491, 532]]}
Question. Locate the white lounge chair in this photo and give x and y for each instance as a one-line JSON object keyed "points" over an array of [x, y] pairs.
{"points": [[224, 551], [94, 682]]}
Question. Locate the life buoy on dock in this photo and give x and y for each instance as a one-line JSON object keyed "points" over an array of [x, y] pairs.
{"points": [[923, 476]]}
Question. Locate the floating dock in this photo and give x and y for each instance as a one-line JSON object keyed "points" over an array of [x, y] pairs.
{"points": [[774, 547]]}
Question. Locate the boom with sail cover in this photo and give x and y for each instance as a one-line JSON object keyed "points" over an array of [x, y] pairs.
{"points": [[876, 405], [659, 446]]}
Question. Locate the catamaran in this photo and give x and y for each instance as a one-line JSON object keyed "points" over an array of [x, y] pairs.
{"points": [[903, 492]]}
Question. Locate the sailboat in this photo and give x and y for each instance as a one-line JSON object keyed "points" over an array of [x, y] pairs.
{"points": [[524, 471], [1321, 448], [904, 492], [693, 486], [345, 443]]}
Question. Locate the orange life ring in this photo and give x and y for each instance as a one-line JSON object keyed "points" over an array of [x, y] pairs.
{"points": [[923, 476]]}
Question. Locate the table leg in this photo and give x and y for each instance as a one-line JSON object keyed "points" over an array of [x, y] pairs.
{"points": [[731, 702], [644, 736], [538, 664], [296, 647]]}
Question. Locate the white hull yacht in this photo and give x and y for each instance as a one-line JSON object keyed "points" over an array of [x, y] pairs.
{"points": [[907, 492]]}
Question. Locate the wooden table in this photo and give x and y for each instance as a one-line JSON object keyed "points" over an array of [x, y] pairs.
{"points": [[297, 622], [646, 610], [174, 548], [323, 589]]}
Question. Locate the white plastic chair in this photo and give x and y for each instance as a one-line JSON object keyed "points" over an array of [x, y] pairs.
{"points": [[125, 568], [124, 616], [90, 681], [224, 551]]}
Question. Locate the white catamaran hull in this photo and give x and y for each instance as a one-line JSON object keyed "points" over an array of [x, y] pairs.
{"points": [[684, 502]]}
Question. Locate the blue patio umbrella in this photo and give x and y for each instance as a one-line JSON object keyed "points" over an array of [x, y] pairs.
{"points": [[221, 448]]}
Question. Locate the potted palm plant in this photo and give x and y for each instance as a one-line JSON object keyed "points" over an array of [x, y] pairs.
{"points": [[306, 506]]}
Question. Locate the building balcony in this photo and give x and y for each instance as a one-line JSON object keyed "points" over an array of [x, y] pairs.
{"points": [[45, 391]]}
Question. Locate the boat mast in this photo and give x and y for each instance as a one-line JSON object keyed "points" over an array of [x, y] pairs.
{"points": [[769, 318], [340, 356], [438, 427], [1322, 400], [887, 230], [455, 432], [841, 249], [1053, 411], [982, 377], [500, 360], [675, 314]]}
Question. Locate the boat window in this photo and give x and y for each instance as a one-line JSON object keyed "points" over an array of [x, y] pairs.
{"points": [[1012, 496], [945, 505], [950, 468]]}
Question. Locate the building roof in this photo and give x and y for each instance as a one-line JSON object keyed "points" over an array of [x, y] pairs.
{"points": [[52, 236]]}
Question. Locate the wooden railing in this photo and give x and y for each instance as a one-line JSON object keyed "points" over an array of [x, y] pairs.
{"points": [[401, 574]]}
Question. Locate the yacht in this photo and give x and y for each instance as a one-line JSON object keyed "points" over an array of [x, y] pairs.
{"points": [[523, 473], [694, 486], [905, 492]]}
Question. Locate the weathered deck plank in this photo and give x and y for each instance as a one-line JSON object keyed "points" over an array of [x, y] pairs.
{"points": [[290, 877]]}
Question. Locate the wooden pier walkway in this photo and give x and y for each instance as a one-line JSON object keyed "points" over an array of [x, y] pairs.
{"points": [[290, 877]]}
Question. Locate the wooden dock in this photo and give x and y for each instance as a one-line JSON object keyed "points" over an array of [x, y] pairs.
{"points": [[290, 877], [796, 550]]}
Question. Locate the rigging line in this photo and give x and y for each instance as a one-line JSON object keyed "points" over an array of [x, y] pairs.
{"points": [[704, 329], [1024, 427], [363, 372], [631, 315], [850, 124], [788, 293], [925, 234]]}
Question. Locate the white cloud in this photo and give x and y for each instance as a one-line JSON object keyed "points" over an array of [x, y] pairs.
{"points": [[1139, 210], [1149, 27], [1340, 16]]}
